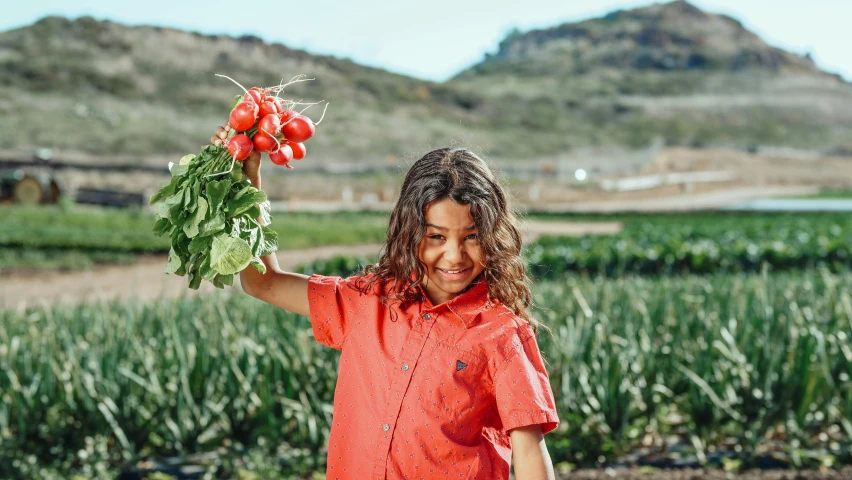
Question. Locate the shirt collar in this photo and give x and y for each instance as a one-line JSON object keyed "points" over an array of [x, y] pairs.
{"points": [[467, 306]]}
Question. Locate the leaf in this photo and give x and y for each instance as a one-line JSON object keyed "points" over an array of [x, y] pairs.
{"points": [[190, 228], [206, 271], [166, 190], [186, 159], [254, 211], [227, 279], [174, 262], [258, 265], [237, 100], [200, 244], [212, 225], [268, 243], [265, 212], [190, 199], [194, 280], [242, 204], [216, 192], [229, 255], [162, 227], [180, 170]]}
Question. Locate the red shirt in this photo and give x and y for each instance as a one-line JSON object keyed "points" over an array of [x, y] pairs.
{"points": [[431, 392]]}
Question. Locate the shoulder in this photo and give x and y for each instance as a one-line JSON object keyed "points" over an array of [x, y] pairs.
{"points": [[506, 334], [354, 282]]}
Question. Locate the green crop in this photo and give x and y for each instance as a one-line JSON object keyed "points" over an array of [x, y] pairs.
{"points": [[754, 361], [210, 220]]}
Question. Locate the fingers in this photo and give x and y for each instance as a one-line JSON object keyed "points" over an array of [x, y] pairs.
{"points": [[221, 135]]}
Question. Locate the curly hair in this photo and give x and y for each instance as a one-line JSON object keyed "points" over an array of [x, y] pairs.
{"points": [[465, 178]]}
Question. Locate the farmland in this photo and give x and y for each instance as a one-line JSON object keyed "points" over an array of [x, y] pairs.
{"points": [[714, 338], [73, 237], [726, 365]]}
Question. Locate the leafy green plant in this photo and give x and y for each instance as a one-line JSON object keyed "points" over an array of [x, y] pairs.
{"points": [[211, 223]]}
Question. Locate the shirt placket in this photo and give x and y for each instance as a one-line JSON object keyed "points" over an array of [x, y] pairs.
{"points": [[409, 358]]}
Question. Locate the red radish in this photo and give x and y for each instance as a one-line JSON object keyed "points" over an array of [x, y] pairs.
{"points": [[255, 94], [264, 142], [299, 129], [287, 115], [242, 117], [282, 156], [240, 146], [270, 125], [269, 107], [298, 150]]}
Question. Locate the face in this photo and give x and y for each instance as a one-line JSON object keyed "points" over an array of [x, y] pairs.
{"points": [[450, 250]]}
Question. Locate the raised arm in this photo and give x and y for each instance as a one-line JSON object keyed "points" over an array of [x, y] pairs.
{"points": [[276, 287]]}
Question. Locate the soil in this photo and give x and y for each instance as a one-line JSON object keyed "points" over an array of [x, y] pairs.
{"points": [[702, 474]]}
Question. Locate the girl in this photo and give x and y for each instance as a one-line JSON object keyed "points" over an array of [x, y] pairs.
{"points": [[440, 375]]}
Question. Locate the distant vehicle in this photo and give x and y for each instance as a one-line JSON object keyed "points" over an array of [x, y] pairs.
{"points": [[33, 184]]}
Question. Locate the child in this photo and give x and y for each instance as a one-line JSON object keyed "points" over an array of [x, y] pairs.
{"points": [[440, 375]]}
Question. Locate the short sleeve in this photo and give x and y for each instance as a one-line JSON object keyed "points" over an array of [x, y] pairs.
{"points": [[522, 388], [328, 310]]}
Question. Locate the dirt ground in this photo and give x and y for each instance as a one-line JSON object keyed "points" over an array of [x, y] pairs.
{"points": [[701, 474], [145, 280]]}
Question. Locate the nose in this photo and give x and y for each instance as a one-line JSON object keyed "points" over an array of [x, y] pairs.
{"points": [[455, 252]]}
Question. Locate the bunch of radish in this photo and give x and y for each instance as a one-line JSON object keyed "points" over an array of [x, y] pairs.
{"points": [[210, 210], [266, 123]]}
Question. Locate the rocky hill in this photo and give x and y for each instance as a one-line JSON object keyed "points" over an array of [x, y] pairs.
{"points": [[667, 70]]}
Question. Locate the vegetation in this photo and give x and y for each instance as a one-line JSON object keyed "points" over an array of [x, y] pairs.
{"points": [[63, 237], [704, 244], [730, 364]]}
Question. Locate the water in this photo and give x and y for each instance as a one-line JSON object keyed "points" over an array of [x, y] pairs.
{"points": [[795, 205]]}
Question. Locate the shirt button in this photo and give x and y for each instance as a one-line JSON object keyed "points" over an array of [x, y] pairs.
{"points": [[405, 366], [386, 427], [426, 316]]}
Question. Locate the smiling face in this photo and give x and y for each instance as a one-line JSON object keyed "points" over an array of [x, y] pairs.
{"points": [[450, 250]]}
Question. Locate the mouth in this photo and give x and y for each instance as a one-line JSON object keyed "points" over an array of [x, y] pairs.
{"points": [[456, 274]]}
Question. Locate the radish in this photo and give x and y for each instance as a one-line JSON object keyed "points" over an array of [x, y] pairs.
{"points": [[240, 146], [270, 125], [243, 116], [269, 107], [255, 94], [282, 156], [298, 150], [287, 115], [299, 129], [264, 142]]}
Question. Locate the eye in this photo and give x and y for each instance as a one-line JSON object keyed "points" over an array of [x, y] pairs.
{"points": [[473, 236], [436, 237]]}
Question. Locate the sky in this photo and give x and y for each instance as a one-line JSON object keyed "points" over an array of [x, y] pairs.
{"points": [[436, 39]]}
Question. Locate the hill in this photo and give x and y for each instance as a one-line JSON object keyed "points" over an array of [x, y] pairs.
{"points": [[670, 69]]}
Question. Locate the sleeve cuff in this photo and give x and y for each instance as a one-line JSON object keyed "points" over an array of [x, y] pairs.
{"points": [[546, 418]]}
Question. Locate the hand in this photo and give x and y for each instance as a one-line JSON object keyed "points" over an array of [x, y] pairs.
{"points": [[251, 165]]}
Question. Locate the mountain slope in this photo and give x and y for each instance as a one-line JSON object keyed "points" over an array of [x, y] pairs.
{"points": [[623, 79], [696, 77]]}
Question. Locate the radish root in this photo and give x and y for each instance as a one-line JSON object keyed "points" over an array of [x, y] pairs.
{"points": [[231, 79]]}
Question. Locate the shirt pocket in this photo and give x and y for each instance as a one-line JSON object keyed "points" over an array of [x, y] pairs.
{"points": [[452, 382]]}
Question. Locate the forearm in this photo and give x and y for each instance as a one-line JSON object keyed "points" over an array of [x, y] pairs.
{"points": [[250, 277], [533, 463]]}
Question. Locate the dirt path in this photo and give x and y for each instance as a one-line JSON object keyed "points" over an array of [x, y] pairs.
{"points": [[145, 279]]}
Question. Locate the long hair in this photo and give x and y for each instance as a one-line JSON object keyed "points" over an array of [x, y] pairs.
{"points": [[465, 178]]}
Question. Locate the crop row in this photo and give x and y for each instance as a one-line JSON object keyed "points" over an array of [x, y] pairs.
{"points": [[708, 244], [738, 362]]}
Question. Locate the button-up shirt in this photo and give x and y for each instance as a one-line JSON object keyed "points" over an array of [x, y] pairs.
{"points": [[430, 391]]}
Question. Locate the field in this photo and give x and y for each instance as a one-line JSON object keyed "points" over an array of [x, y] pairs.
{"points": [[71, 237], [723, 368], [716, 340]]}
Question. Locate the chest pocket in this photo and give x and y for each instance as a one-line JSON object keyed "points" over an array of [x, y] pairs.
{"points": [[450, 382]]}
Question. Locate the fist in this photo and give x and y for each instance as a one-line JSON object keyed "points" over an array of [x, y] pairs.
{"points": [[251, 165]]}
